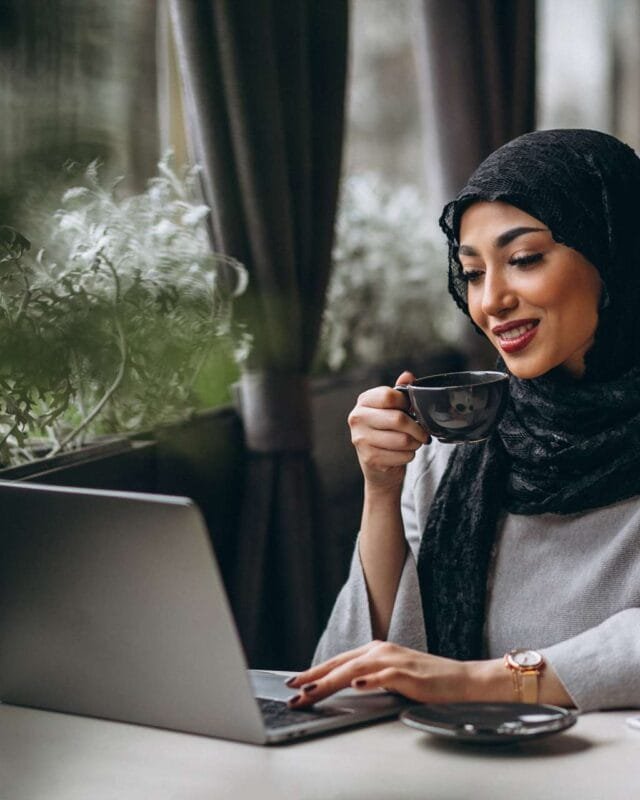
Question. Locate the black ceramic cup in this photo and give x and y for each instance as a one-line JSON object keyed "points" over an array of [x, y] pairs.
{"points": [[458, 407]]}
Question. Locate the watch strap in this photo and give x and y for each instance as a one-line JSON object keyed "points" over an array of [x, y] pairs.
{"points": [[529, 689]]}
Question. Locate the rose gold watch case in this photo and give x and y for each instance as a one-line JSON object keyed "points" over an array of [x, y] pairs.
{"points": [[536, 666]]}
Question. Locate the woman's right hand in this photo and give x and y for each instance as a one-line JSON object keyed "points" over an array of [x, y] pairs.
{"points": [[386, 438]]}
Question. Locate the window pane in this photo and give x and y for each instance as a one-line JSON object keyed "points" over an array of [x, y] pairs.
{"points": [[77, 82]]}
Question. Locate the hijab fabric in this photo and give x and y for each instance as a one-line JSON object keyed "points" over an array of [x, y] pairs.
{"points": [[564, 445]]}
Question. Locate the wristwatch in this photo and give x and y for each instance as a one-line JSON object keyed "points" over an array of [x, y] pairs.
{"points": [[525, 667]]}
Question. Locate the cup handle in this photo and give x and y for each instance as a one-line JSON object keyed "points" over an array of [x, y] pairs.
{"points": [[401, 387]]}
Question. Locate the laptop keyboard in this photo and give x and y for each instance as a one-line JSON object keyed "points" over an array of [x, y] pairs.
{"points": [[277, 714]]}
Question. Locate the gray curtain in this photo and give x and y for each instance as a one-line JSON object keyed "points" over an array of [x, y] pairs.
{"points": [[477, 81], [477, 88], [264, 88]]}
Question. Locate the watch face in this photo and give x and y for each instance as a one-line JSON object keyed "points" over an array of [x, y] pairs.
{"points": [[526, 658]]}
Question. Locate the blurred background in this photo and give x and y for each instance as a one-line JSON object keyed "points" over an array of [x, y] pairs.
{"points": [[98, 80]]}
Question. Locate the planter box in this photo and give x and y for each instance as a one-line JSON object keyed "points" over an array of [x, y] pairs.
{"points": [[123, 464], [201, 458]]}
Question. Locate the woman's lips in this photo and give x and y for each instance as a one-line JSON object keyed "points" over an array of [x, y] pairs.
{"points": [[515, 336]]}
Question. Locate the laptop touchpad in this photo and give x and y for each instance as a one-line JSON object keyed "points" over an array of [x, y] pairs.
{"points": [[270, 684]]}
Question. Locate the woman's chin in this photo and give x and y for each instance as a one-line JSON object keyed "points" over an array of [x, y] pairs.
{"points": [[528, 368]]}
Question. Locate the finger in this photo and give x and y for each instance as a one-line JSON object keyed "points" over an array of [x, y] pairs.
{"points": [[363, 420], [381, 397], [394, 441], [372, 658], [339, 678], [393, 679], [386, 419], [319, 670], [405, 377]]}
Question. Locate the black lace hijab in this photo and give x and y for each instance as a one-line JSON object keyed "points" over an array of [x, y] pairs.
{"points": [[564, 445]]}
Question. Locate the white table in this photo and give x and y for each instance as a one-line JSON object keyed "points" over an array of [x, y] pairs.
{"points": [[52, 756]]}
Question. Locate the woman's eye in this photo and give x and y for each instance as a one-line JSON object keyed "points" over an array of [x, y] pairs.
{"points": [[525, 260], [471, 275]]}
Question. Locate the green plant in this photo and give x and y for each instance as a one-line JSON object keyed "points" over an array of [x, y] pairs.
{"points": [[110, 326], [387, 297]]}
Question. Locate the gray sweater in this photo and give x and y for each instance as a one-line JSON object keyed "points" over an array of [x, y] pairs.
{"points": [[566, 585]]}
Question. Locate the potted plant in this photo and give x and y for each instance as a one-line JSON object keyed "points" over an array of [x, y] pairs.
{"points": [[116, 324], [387, 301]]}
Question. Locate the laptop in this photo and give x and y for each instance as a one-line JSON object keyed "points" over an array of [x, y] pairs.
{"points": [[112, 606]]}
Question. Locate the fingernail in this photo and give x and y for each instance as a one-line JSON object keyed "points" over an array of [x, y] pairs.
{"points": [[290, 681], [309, 687], [292, 701], [360, 683]]}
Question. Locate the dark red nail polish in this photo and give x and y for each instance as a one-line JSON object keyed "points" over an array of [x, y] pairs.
{"points": [[360, 683], [309, 687], [290, 681], [292, 701]]}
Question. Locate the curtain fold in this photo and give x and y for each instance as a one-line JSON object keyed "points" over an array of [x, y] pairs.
{"points": [[476, 77], [477, 82], [264, 85]]}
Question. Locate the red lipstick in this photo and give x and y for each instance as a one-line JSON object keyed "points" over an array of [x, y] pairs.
{"points": [[515, 335]]}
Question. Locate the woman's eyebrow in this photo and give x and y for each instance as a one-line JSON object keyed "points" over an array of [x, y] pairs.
{"points": [[501, 241]]}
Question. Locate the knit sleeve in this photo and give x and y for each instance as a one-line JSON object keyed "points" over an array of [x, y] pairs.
{"points": [[350, 625], [600, 667]]}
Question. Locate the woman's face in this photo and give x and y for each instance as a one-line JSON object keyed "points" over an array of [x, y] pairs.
{"points": [[535, 300]]}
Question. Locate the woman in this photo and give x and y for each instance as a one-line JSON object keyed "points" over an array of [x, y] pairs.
{"points": [[531, 539]]}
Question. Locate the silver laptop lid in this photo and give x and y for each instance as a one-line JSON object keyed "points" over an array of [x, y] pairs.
{"points": [[112, 605]]}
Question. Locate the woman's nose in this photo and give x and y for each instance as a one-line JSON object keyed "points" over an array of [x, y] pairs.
{"points": [[497, 294]]}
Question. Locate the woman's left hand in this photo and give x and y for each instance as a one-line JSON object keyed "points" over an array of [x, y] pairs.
{"points": [[419, 676]]}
